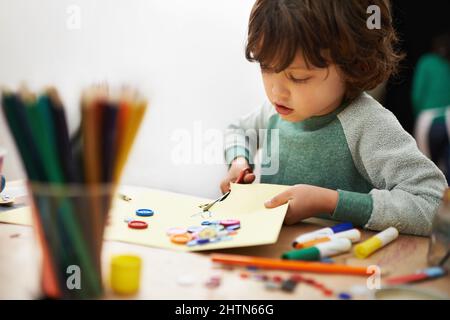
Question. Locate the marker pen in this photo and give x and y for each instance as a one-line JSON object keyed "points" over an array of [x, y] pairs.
{"points": [[319, 251], [365, 249], [353, 235], [421, 275], [323, 232]]}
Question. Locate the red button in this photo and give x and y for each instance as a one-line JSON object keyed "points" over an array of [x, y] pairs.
{"points": [[229, 222], [137, 224]]}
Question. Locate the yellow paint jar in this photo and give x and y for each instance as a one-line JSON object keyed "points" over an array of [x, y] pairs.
{"points": [[125, 274]]}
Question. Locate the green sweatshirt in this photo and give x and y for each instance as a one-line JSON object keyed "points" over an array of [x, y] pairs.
{"points": [[431, 83], [360, 150]]}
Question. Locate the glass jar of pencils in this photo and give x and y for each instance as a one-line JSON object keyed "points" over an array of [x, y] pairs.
{"points": [[69, 221], [439, 249]]}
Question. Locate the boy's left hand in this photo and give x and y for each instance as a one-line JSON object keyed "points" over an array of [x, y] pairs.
{"points": [[305, 201]]}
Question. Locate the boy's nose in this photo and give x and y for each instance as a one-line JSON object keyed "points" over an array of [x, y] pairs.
{"points": [[279, 92]]}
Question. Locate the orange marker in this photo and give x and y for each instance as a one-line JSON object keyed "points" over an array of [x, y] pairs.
{"points": [[279, 264], [354, 235], [311, 243]]}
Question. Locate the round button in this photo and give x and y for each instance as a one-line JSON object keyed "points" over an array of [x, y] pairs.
{"points": [[181, 238], [175, 230], [219, 227], [137, 224], [144, 212], [229, 222], [195, 229], [233, 227], [202, 241], [222, 233], [207, 233], [192, 243]]}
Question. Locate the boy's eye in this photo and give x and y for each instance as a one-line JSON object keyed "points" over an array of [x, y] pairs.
{"points": [[296, 80]]}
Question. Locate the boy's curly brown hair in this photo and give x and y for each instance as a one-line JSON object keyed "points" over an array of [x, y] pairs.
{"points": [[325, 31]]}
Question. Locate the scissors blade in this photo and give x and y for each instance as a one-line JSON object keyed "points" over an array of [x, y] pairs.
{"points": [[208, 206]]}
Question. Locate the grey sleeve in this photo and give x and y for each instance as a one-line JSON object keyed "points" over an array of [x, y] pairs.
{"points": [[243, 135], [408, 187]]}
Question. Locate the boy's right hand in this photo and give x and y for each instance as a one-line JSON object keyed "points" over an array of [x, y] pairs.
{"points": [[237, 166]]}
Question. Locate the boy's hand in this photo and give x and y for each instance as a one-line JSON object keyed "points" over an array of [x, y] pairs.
{"points": [[305, 201], [237, 166]]}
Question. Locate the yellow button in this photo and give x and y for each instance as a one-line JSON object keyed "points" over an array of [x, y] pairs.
{"points": [[125, 274], [207, 233]]}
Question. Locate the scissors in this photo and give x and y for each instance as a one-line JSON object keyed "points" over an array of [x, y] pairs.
{"points": [[240, 179]]}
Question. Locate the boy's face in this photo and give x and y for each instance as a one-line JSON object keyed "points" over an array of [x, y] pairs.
{"points": [[299, 93]]}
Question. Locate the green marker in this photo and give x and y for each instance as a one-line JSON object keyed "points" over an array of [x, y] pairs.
{"points": [[319, 251]]}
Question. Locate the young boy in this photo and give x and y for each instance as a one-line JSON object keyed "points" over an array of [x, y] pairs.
{"points": [[346, 156]]}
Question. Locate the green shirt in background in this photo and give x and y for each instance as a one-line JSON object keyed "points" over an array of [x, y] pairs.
{"points": [[431, 83]]}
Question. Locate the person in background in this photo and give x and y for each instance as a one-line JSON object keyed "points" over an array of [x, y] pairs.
{"points": [[431, 102]]}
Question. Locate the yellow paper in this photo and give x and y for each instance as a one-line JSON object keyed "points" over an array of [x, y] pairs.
{"points": [[20, 215], [245, 203]]}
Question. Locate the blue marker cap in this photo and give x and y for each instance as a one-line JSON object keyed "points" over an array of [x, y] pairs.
{"points": [[434, 272], [342, 227]]}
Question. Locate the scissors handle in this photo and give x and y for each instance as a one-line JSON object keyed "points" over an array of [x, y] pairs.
{"points": [[239, 180], [241, 176]]}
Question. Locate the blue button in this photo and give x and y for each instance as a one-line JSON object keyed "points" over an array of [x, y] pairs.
{"points": [[144, 212], [202, 241], [192, 243], [194, 229], [206, 223]]}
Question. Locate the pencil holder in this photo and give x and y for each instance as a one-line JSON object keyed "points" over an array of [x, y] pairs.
{"points": [[69, 221], [439, 244]]}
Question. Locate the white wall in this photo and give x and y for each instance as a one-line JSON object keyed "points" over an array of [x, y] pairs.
{"points": [[187, 57]]}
